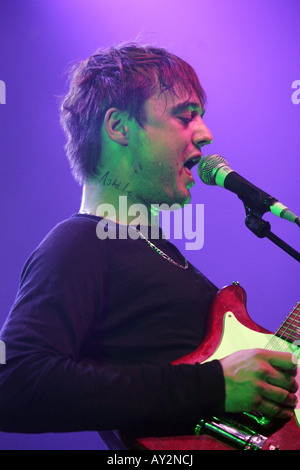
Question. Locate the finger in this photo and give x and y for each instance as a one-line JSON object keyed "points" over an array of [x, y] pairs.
{"points": [[272, 410], [279, 396], [290, 401], [283, 360], [282, 379], [292, 372]]}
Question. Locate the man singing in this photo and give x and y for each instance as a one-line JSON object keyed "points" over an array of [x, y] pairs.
{"points": [[103, 310]]}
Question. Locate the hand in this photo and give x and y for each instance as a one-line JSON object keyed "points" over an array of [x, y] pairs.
{"points": [[260, 380]]}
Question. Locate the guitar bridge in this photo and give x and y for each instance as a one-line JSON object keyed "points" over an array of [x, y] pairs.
{"points": [[240, 437]]}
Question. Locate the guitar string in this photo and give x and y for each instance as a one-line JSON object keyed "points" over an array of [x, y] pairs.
{"points": [[279, 338], [289, 336], [278, 342]]}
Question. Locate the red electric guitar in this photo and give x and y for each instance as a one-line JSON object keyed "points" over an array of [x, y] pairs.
{"points": [[231, 329]]}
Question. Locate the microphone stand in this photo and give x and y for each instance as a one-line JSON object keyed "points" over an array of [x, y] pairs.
{"points": [[262, 229]]}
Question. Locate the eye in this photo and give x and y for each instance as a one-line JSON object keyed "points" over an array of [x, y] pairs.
{"points": [[185, 120]]}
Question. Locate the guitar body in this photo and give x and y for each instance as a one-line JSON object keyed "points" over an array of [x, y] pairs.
{"points": [[230, 329]]}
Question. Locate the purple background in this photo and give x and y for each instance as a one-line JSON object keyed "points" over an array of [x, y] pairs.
{"points": [[246, 54]]}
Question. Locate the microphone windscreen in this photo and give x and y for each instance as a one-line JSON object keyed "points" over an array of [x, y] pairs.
{"points": [[208, 167]]}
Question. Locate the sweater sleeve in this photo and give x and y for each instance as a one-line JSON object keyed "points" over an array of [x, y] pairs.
{"points": [[46, 384]]}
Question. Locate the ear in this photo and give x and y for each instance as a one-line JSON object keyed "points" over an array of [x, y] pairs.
{"points": [[116, 126]]}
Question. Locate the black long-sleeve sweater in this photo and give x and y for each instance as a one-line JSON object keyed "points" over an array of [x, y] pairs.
{"points": [[93, 331]]}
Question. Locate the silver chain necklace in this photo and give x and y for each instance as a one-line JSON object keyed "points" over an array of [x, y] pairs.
{"points": [[163, 254], [155, 248]]}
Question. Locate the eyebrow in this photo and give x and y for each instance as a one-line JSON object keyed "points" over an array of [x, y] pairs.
{"points": [[180, 107]]}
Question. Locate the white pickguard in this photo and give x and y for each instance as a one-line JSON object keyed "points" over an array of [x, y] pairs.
{"points": [[237, 337]]}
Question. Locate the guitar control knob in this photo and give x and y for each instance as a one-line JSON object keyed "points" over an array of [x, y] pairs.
{"points": [[272, 447]]}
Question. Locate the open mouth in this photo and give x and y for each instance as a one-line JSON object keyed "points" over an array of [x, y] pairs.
{"points": [[189, 164]]}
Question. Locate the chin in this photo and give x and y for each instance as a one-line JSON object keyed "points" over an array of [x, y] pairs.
{"points": [[182, 200], [178, 198]]}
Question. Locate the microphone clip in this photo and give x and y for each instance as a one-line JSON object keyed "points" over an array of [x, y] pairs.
{"points": [[261, 228]]}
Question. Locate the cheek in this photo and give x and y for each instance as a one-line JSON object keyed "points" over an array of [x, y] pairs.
{"points": [[161, 152], [167, 151]]}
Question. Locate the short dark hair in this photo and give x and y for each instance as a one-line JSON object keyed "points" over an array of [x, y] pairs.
{"points": [[124, 77]]}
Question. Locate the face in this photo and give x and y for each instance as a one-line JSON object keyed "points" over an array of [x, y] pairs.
{"points": [[166, 148]]}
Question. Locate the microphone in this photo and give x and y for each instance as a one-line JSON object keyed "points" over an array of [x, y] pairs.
{"points": [[214, 170]]}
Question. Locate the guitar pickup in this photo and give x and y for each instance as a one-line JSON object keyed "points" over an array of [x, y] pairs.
{"points": [[244, 439]]}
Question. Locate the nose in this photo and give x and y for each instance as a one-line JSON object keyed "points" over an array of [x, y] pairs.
{"points": [[202, 135]]}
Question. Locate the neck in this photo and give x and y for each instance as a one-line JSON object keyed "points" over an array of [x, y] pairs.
{"points": [[115, 203]]}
